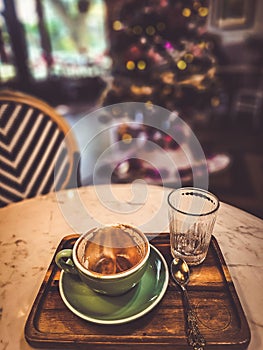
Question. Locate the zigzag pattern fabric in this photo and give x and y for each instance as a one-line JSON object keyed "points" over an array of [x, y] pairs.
{"points": [[33, 154]]}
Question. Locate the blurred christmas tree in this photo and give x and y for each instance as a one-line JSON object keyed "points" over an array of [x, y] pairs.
{"points": [[162, 55]]}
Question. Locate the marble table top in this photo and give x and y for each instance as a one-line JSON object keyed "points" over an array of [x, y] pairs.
{"points": [[32, 229]]}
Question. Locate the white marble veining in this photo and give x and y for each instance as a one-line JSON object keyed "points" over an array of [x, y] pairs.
{"points": [[31, 230]]}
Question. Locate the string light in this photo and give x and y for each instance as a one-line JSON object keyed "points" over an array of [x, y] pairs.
{"points": [[202, 45], [126, 138], [141, 65], [117, 25], [186, 12], [150, 30], [181, 65], [168, 45], [203, 11], [130, 65], [137, 30], [215, 101]]}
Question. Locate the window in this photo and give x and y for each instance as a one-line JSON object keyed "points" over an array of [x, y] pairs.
{"points": [[233, 14], [62, 38], [7, 63]]}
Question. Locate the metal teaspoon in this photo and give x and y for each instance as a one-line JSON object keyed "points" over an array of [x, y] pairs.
{"points": [[181, 275]]}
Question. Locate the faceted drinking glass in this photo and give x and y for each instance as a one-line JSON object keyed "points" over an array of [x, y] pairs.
{"points": [[192, 215]]}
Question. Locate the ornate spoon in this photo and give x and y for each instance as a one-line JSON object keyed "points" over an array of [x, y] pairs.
{"points": [[181, 274]]}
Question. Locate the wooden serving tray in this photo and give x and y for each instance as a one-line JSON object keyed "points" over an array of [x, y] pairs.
{"points": [[211, 292]]}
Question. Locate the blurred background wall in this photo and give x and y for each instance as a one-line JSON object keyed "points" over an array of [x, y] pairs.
{"points": [[200, 58]]}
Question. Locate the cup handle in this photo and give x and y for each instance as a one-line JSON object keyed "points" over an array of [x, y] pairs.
{"points": [[66, 265]]}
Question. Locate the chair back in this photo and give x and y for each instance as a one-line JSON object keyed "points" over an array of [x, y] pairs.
{"points": [[38, 153]]}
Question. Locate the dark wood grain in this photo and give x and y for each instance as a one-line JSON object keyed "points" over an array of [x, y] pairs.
{"points": [[211, 291]]}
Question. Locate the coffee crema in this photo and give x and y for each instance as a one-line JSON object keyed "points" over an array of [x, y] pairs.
{"points": [[111, 250]]}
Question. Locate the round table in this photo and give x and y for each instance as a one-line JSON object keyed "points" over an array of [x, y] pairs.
{"points": [[32, 229]]}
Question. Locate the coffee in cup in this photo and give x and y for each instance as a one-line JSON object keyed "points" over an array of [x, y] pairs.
{"points": [[110, 259]]}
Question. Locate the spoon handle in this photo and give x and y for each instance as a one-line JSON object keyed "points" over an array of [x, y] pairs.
{"points": [[195, 338]]}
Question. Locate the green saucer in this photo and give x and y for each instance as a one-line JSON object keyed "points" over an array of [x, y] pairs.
{"points": [[98, 308]]}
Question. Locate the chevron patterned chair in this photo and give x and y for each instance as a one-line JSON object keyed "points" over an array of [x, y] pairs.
{"points": [[38, 153]]}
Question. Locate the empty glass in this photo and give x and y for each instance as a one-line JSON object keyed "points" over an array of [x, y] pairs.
{"points": [[192, 215]]}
